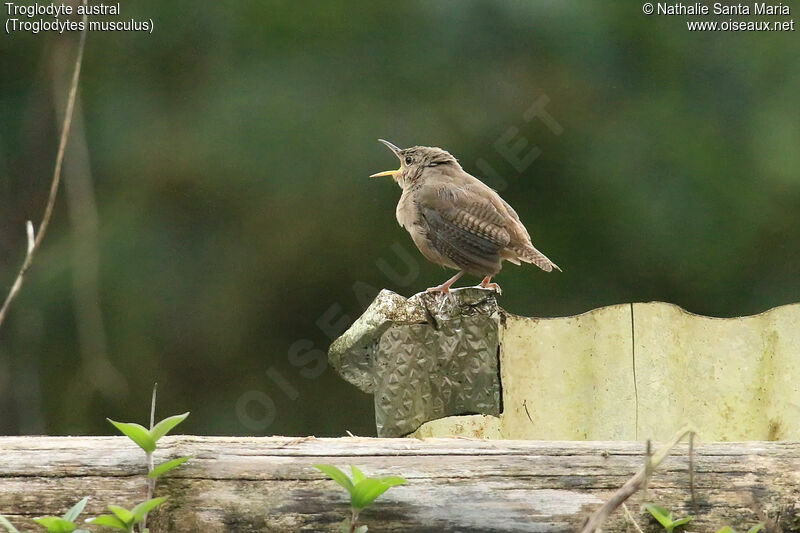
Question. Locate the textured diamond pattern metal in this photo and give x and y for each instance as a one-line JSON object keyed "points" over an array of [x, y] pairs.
{"points": [[441, 362]]}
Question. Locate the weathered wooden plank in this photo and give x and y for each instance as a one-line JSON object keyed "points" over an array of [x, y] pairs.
{"points": [[269, 484]]}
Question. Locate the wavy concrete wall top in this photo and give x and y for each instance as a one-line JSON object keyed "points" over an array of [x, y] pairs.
{"points": [[636, 371]]}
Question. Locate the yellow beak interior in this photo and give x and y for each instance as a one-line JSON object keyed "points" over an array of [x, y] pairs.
{"points": [[385, 173]]}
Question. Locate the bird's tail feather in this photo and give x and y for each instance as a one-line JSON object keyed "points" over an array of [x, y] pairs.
{"points": [[534, 256]]}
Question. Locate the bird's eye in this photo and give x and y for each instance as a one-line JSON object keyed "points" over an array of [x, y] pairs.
{"points": [[409, 160]]}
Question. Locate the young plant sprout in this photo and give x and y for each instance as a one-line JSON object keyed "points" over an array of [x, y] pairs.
{"points": [[363, 491], [125, 519], [755, 529], [665, 517], [61, 524], [147, 440]]}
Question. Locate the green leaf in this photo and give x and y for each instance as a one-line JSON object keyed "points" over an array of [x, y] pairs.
{"points": [[393, 481], [163, 468], [337, 475], [358, 475], [756, 528], [361, 529], [682, 521], [108, 520], [8, 525], [166, 425], [145, 507], [55, 524], [124, 515], [366, 491], [726, 529], [663, 516], [77, 509], [138, 434]]}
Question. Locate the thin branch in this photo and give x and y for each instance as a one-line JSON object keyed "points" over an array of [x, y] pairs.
{"points": [[648, 466], [151, 481], [8, 525], [691, 467], [31, 238], [630, 518], [153, 406], [638, 481], [35, 243]]}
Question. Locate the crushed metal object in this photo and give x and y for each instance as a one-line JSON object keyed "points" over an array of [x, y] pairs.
{"points": [[425, 357]]}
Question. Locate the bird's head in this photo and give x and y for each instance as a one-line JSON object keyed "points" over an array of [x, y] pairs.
{"points": [[414, 161]]}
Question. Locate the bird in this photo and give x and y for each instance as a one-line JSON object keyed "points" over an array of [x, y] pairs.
{"points": [[456, 220]]}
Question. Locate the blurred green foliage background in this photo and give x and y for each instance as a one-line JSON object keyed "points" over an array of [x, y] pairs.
{"points": [[217, 225]]}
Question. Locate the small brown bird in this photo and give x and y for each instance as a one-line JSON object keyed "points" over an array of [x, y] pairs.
{"points": [[456, 220]]}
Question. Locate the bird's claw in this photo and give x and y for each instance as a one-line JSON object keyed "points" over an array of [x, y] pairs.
{"points": [[491, 286], [448, 297], [444, 289]]}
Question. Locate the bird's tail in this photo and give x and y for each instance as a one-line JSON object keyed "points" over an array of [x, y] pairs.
{"points": [[529, 254]]}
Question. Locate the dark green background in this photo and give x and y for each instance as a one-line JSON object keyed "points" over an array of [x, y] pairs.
{"points": [[229, 153]]}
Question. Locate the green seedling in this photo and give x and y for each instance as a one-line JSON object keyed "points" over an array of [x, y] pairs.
{"points": [[363, 491], [147, 440], [163, 468], [125, 519], [665, 517], [755, 529], [63, 524]]}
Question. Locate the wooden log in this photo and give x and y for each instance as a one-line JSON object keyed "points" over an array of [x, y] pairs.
{"points": [[269, 484]]}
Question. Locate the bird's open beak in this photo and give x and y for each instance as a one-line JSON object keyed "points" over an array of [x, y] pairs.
{"points": [[385, 173], [396, 151]]}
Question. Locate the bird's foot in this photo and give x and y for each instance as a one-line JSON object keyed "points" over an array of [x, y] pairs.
{"points": [[444, 288], [447, 295], [486, 284]]}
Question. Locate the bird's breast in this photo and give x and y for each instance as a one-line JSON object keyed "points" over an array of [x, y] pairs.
{"points": [[405, 212]]}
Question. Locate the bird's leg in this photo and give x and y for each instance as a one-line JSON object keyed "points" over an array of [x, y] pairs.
{"points": [[445, 287], [485, 284]]}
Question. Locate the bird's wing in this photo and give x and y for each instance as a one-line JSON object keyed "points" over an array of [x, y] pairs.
{"points": [[520, 242], [519, 246], [518, 230], [464, 226]]}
